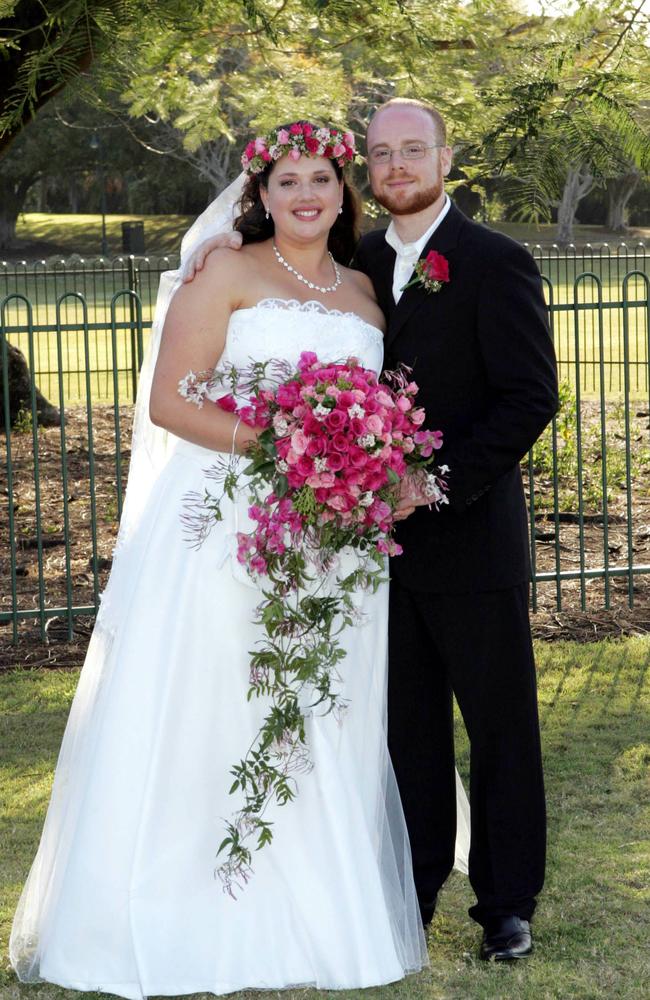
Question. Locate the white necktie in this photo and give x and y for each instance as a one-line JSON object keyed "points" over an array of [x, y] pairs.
{"points": [[407, 257]]}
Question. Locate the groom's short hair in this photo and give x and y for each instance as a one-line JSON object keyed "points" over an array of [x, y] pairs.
{"points": [[412, 102]]}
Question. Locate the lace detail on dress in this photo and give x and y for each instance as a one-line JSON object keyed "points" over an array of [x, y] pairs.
{"points": [[311, 306]]}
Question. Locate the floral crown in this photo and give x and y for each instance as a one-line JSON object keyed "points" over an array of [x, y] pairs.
{"points": [[294, 141]]}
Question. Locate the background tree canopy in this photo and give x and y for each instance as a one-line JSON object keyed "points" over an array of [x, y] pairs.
{"points": [[551, 104]]}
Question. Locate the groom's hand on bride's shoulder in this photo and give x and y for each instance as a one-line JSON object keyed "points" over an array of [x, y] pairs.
{"points": [[195, 263]]}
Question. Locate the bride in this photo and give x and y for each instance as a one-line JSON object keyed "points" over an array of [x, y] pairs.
{"points": [[122, 896]]}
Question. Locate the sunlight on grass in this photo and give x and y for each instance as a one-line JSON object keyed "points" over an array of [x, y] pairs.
{"points": [[593, 921], [82, 234]]}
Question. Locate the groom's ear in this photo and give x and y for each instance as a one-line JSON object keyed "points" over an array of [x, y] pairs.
{"points": [[446, 157]]}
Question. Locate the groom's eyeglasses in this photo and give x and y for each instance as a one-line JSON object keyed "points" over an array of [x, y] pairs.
{"points": [[412, 151]]}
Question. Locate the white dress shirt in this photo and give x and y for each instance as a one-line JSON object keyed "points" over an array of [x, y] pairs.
{"points": [[408, 253]]}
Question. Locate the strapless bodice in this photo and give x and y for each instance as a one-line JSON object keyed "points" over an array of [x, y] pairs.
{"points": [[283, 328]]}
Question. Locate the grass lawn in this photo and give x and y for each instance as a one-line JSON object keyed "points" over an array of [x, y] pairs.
{"points": [[593, 923], [82, 234]]}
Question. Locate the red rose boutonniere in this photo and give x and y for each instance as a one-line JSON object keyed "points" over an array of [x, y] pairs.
{"points": [[432, 272]]}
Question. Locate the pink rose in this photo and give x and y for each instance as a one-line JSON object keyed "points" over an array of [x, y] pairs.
{"points": [[358, 457], [305, 465], [299, 442], [283, 137], [374, 424], [335, 421], [334, 461], [260, 145], [384, 399], [294, 154], [315, 446], [338, 150], [340, 442]]}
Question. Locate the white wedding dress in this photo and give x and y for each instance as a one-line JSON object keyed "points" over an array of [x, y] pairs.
{"points": [[122, 895]]}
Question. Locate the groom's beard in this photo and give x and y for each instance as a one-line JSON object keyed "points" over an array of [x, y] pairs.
{"points": [[405, 204]]}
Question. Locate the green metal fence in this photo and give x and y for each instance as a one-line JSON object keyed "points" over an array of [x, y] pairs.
{"points": [[82, 327]]}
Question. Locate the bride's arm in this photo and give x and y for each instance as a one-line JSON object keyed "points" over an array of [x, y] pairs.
{"points": [[193, 339]]}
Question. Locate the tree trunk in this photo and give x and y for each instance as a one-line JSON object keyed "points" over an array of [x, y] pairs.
{"points": [[619, 191], [20, 387], [12, 199], [579, 183]]}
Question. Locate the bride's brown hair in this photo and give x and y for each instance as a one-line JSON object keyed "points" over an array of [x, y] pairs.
{"points": [[255, 227]]}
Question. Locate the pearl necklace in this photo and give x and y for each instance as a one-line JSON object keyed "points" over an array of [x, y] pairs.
{"points": [[305, 281]]}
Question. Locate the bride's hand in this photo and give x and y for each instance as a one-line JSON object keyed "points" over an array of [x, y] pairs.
{"points": [[195, 263], [411, 495]]}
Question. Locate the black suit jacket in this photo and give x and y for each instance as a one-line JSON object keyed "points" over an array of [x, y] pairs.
{"points": [[482, 355]]}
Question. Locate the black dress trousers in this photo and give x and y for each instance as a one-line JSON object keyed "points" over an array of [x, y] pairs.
{"points": [[478, 647]]}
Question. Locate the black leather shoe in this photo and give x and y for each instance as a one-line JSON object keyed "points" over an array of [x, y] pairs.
{"points": [[505, 939]]}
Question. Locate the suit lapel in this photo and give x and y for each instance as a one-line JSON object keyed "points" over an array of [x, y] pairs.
{"points": [[443, 240], [383, 266]]}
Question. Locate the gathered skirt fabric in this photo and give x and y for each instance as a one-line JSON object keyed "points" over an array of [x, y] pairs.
{"points": [[122, 896]]}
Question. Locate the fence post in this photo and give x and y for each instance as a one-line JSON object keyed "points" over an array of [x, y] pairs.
{"points": [[133, 287]]}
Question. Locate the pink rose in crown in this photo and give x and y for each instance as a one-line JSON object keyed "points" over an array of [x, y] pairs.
{"points": [[294, 154], [283, 137]]}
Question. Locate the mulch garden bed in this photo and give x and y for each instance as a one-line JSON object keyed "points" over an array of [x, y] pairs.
{"points": [[572, 621]]}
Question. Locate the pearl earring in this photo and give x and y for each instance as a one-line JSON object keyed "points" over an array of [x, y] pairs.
{"points": [[340, 209], [268, 215]]}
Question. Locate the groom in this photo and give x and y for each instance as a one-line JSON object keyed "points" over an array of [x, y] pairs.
{"points": [[482, 356]]}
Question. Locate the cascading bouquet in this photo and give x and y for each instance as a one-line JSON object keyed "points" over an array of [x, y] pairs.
{"points": [[322, 480]]}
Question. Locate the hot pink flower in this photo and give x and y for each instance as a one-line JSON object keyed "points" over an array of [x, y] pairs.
{"points": [[335, 421], [227, 403], [340, 442], [306, 360]]}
